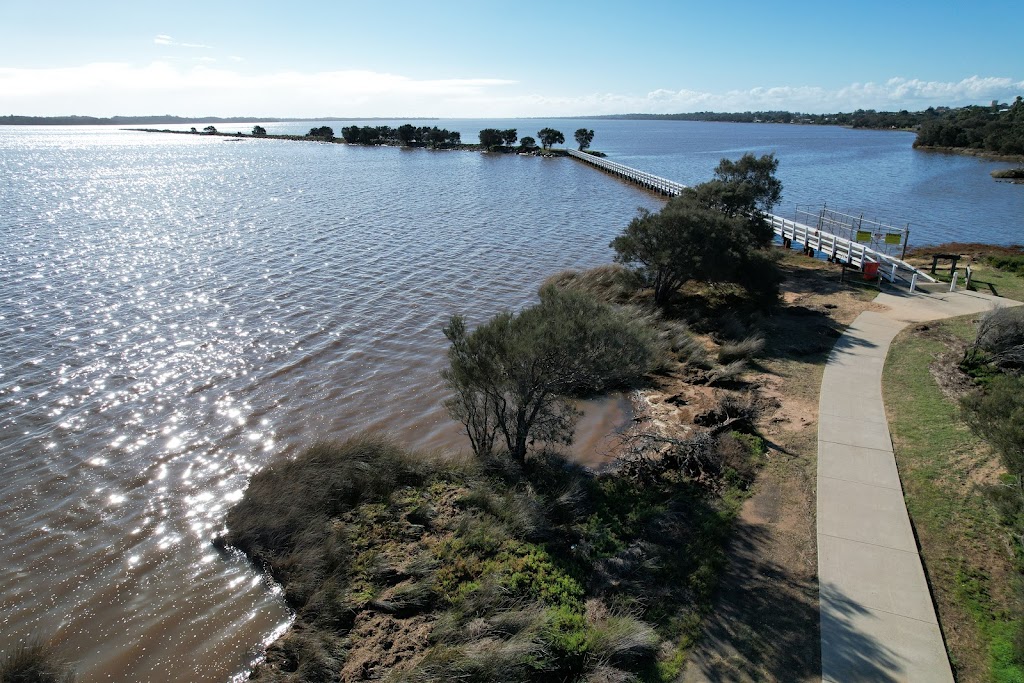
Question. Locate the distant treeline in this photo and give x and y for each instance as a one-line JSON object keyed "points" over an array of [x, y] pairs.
{"points": [[997, 128], [406, 134], [165, 119], [862, 118]]}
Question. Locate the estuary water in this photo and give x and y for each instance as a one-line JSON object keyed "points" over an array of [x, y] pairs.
{"points": [[178, 310]]}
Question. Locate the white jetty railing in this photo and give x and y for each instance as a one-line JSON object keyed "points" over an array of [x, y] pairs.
{"points": [[648, 180], [836, 247]]}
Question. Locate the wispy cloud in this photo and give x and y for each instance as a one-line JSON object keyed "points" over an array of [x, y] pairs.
{"points": [[174, 86], [164, 39], [894, 94], [171, 86]]}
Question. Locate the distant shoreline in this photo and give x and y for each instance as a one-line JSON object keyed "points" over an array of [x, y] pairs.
{"points": [[180, 120], [973, 152]]}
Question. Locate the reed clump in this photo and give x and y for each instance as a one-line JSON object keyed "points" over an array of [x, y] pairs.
{"points": [[35, 662]]}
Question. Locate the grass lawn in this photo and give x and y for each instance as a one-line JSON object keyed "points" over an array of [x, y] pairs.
{"points": [[944, 467]]}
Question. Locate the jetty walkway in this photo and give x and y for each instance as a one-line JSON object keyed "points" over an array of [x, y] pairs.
{"points": [[835, 247]]}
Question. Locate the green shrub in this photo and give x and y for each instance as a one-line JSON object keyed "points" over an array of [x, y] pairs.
{"points": [[513, 377], [1009, 263], [742, 350], [35, 662], [610, 283]]}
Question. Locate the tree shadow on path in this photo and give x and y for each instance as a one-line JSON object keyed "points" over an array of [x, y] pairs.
{"points": [[766, 624]]}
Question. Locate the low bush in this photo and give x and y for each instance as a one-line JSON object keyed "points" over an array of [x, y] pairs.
{"points": [[35, 662], [284, 522], [727, 373], [612, 283], [742, 350], [690, 350]]}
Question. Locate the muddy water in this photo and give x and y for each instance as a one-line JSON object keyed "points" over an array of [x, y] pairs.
{"points": [[176, 311]]}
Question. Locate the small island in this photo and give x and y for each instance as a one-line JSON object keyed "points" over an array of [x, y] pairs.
{"points": [[408, 135]]}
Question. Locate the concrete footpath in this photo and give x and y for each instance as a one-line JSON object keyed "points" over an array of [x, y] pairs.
{"points": [[877, 618]]}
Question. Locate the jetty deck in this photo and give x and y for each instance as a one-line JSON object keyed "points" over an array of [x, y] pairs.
{"points": [[835, 247]]}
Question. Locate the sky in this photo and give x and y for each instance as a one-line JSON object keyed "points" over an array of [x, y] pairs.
{"points": [[454, 59]]}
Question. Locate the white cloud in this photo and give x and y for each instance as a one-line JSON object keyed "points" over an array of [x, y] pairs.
{"points": [[164, 39], [107, 88], [201, 89], [895, 93]]}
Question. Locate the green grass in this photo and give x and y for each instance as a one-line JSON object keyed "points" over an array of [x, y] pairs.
{"points": [[959, 532]]}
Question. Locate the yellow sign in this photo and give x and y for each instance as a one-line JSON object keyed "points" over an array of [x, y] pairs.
{"points": [[893, 238], [863, 235]]}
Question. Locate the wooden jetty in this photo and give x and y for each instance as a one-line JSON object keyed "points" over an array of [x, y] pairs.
{"points": [[833, 246]]}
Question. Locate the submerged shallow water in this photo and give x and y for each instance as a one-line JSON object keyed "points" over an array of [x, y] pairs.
{"points": [[178, 310]]}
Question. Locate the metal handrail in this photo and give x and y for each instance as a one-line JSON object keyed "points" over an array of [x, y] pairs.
{"points": [[837, 247]]}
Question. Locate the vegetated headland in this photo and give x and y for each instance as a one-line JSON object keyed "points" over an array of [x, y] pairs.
{"points": [[511, 563]]}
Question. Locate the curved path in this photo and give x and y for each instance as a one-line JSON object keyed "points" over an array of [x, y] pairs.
{"points": [[877, 618]]}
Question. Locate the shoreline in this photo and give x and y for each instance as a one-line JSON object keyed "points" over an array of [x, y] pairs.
{"points": [[971, 152]]}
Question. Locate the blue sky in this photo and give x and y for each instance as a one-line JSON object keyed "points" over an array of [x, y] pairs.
{"points": [[519, 58]]}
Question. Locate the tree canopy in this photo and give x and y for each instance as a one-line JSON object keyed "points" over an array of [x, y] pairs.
{"points": [[996, 128], [745, 189], [550, 136], [714, 232], [325, 132], [527, 142], [406, 134], [259, 131], [513, 377], [584, 137], [492, 137]]}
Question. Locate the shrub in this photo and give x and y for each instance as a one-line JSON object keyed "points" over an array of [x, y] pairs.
{"points": [[741, 350], [727, 373], [513, 376], [35, 662], [611, 283], [1008, 262], [997, 415], [689, 349], [284, 520], [1000, 341]]}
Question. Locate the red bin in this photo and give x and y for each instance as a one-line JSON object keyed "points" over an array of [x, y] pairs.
{"points": [[870, 271]]}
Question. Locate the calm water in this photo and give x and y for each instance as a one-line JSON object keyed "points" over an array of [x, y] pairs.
{"points": [[177, 310]]}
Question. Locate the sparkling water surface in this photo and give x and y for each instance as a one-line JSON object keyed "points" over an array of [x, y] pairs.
{"points": [[177, 310]]}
